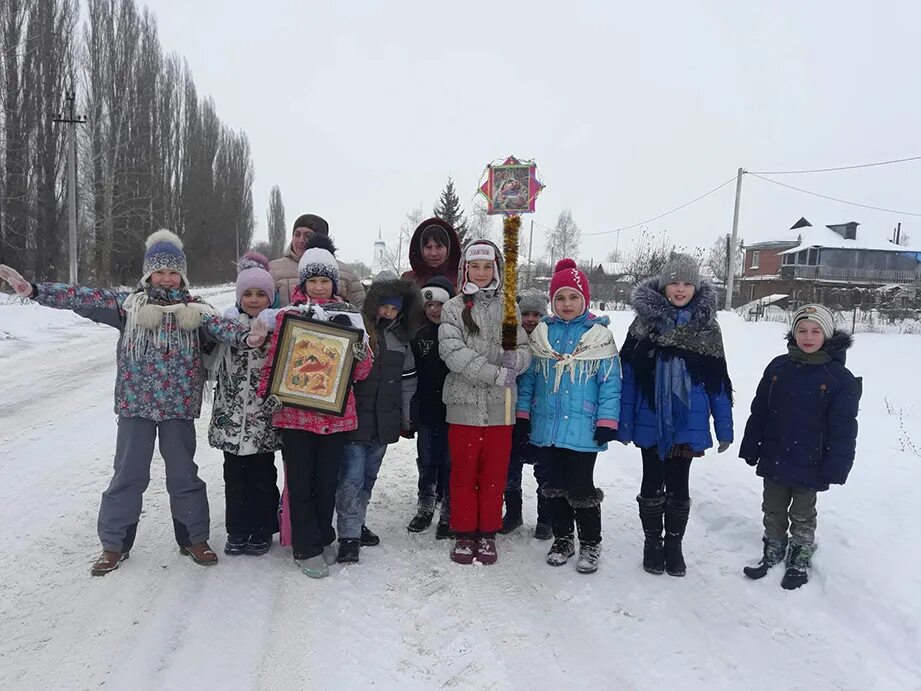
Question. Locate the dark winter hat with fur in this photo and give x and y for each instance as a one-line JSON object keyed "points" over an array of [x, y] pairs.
{"points": [[681, 268], [316, 223], [386, 285]]}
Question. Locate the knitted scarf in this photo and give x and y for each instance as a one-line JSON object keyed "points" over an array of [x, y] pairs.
{"points": [[162, 319], [820, 357], [595, 346]]}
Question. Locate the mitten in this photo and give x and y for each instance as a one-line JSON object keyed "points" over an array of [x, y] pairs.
{"points": [[257, 333], [723, 446], [20, 285], [751, 461], [604, 434], [509, 359], [506, 378], [272, 404], [407, 433]]}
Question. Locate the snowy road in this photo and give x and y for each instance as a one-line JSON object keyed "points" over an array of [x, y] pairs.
{"points": [[406, 617]]}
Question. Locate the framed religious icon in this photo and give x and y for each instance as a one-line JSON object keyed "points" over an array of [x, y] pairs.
{"points": [[511, 187], [314, 363]]}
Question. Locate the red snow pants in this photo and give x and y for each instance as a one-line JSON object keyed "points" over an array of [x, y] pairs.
{"points": [[479, 469]]}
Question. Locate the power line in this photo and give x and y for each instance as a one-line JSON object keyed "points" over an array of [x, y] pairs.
{"points": [[835, 199], [829, 170], [663, 215]]}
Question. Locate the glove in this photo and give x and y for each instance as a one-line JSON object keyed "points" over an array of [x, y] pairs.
{"points": [[509, 359], [257, 333], [272, 404], [19, 285], [341, 319], [267, 317], [751, 461], [407, 433], [522, 432], [604, 434], [723, 446], [506, 378]]}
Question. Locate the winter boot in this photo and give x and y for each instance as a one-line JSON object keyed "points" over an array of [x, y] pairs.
{"points": [[348, 551], [235, 545], [258, 544], [108, 561], [799, 559], [369, 539], [485, 550], [464, 550], [314, 567], [421, 521], [200, 553], [561, 550], [774, 551], [512, 518], [588, 557], [543, 531], [651, 512], [443, 529], [330, 554], [676, 520]]}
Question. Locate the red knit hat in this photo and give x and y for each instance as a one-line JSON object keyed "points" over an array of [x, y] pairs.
{"points": [[567, 275]]}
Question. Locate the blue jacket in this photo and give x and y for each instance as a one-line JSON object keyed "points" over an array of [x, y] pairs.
{"points": [[568, 417], [803, 425], [711, 391]]}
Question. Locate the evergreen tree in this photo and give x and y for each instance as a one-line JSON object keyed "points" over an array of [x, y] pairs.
{"points": [[449, 209]]}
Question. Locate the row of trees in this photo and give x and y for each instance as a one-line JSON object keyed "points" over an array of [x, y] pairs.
{"points": [[152, 154]]}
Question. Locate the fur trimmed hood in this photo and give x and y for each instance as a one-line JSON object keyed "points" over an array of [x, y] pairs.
{"points": [[655, 313], [411, 314], [421, 270], [836, 346]]}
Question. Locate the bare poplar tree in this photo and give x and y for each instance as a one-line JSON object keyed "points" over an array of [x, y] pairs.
{"points": [[275, 222]]}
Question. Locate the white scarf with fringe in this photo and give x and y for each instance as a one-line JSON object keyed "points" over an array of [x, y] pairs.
{"points": [[596, 345], [146, 327]]}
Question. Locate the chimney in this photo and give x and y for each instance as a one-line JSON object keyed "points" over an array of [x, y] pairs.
{"points": [[846, 230]]}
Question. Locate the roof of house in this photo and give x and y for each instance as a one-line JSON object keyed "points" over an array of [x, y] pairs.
{"points": [[803, 236]]}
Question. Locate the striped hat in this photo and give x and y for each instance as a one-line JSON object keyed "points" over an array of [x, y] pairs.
{"points": [[164, 253]]}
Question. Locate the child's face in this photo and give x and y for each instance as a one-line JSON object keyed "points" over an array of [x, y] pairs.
{"points": [[433, 312], [434, 254], [679, 294], [481, 272], [319, 287], [299, 240], [568, 304], [253, 301], [530, 320], [387, 312], [809, 336], [165, 278]]}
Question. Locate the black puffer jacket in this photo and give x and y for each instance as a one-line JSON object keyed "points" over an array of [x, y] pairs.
{"points": [[803, 425], [383, 399]]}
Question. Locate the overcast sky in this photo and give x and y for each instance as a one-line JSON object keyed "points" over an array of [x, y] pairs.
{"points": [[360, 110]]}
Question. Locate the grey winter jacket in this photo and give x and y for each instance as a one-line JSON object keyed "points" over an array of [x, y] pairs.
{"points": [[470, 392]]}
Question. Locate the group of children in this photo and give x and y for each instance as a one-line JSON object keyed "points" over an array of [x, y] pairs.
{"points": [[430, 365]]}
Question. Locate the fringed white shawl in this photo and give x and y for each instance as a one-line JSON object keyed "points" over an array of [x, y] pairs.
{"points": [[596, 345]]}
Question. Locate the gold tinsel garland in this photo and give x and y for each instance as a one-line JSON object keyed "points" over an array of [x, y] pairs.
{"points": [[511, 226]]}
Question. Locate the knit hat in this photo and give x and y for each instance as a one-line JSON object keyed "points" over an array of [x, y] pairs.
{"points": [[393, 301], [253, 272], [567, 275], [818, 314], [318, 262], [532, 301], [316, 223], [164, 252], [437, 289], [681, 268]]}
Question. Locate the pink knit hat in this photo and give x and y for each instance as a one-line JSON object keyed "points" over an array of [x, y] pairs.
{"points": [[567, 275], [253, 272]]}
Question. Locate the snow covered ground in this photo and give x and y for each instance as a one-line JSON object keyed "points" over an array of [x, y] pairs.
{"points": [[408, 618]]}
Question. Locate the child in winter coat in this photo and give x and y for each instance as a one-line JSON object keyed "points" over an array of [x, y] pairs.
{"points": [[241, 426], [158, 391], [802, 435], [533, 306], [428, 415], [569, 405], [675, 380], [312, 443], [479, 435], [392, 312]]}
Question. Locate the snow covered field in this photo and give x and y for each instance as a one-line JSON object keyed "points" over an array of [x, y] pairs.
{"points": [[408, 618]]}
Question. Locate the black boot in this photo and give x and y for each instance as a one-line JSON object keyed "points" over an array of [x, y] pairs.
{"points": [[421, 521], [799, 559], [348, 551], [512, 518], [651, 512], [774, 551], [544, 528], [368, 539], [676, 520]]}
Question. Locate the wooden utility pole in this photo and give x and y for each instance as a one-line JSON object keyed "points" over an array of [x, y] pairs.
{"points": [[72, 120], [730, 279]]}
